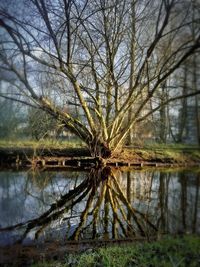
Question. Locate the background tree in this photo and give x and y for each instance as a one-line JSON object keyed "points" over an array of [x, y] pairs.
{"points": [[41, 125], [10, 118], [11, 115]]}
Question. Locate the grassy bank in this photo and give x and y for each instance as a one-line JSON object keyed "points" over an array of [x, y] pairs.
{"points": [[173, 154], [47, 144], [172, 252]]}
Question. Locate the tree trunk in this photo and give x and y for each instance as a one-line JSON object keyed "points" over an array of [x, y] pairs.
{"points": [[99, 149]]}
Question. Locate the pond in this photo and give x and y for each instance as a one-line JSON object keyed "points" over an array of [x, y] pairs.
{"points": [[102, 204]]}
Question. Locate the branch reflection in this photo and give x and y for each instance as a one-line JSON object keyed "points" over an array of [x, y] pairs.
{"points": [[109, 204]]}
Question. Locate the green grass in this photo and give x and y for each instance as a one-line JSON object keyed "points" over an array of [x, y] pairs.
{"points": [[174, 152], [47, 143], [170, 252], [173, 146]]}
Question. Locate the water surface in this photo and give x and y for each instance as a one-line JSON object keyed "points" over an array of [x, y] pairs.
{"points": [[99, 204]]}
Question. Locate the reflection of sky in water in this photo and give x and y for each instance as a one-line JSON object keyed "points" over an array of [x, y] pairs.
{"points": [[24, 196], [171, 200]]}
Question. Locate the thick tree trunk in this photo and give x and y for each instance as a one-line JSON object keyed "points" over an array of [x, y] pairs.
{"points": [[99, 149]]}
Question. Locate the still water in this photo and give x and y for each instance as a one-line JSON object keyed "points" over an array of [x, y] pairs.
{"points": [[98, 204]]}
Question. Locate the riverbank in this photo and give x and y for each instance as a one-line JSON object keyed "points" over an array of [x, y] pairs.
{"points": [[182, 251], [166, 154], [172, 251], [66, 153]]}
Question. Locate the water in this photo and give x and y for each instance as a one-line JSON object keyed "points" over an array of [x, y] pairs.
{"points": [[99, 204]]}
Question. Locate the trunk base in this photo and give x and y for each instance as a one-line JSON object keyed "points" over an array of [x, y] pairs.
{"points": [[100, 150]]}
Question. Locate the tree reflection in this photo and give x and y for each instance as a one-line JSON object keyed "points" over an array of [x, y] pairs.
{"points": [[196, 204], [105, 205]]}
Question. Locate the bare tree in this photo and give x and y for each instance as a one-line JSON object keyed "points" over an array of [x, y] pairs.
{"points": [[107, 61], [195, 61]]}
